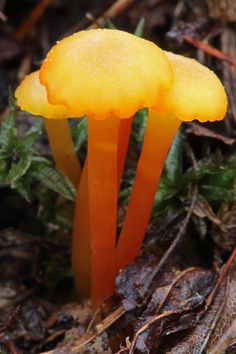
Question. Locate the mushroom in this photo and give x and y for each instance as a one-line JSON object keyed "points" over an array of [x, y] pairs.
{"points": [[110, 74], [197, 93], [32, 97]]}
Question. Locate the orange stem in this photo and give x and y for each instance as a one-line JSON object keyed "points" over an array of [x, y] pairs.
{"points": [[61, 144], [160, 131], [81, 252], [95, 229], [102, 192], [124, 134]]}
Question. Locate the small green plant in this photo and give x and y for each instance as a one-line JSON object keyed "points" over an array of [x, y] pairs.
{"points": [[22, 166]]}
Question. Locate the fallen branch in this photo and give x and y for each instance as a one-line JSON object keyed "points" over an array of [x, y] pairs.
{"points": [[216, 53]]}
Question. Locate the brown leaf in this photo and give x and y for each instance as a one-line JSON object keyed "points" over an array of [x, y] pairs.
{"points": [[228, 314], [131, 280], [226, 238], [203, 209], [176, 310], [194, 340], [228, 338]]}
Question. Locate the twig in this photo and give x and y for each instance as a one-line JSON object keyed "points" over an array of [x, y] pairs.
{"points": [[221, 277], [115, 10], [218, 314], [199, 130], [96, 313], [209, 49], [172, 285], [33, 18]]}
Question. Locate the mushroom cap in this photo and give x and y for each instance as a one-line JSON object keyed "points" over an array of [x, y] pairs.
{"points": [[102, 73], [32, 97], [196, 93]]}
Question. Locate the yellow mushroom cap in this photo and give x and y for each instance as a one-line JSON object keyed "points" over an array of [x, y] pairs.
{"points": [[102, 72], [196, 93], [31, 96]]}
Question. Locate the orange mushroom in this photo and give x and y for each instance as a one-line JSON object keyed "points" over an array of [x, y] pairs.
{"points": [[197, 93], [109, 74], [32, 97]]}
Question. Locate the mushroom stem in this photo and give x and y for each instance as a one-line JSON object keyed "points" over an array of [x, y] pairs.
{"points": [[124, 134], [81, 250], [61, 144], [96, 213], [103, 138], [151, 161]]}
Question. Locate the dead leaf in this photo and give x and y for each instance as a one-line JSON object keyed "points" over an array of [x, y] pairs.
{"points": [[203, 209], [193, 341], [177, 310], [226, 239], [228, 314], [130, 281], [228, 338]]}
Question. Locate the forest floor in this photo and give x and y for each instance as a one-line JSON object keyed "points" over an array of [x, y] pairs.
{"points": [[180, 294]]}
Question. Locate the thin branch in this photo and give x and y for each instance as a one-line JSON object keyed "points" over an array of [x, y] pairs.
{"points": [[221, 277], [210, 49], [114, 11]]}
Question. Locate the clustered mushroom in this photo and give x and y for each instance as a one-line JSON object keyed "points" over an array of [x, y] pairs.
{"points": [[111, 74]]}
